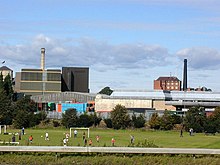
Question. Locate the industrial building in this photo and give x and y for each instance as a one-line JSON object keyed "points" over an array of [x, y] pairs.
{"points": [[32, 81], [136, 101], [38, 81], [75, 79], [167, 83], [154, 101], [51, 81]]}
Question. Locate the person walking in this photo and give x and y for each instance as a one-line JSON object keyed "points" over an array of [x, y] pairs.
{"points": [[113, 142], [64, 142], [75, 133], [46, 136], [84, 136], [22, 130], [132, 139], [85, 142], [90, 142], [181, 133], [97, 138], [31, 139], [13, 138]]}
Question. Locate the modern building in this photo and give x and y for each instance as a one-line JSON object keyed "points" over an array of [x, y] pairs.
{"points": [[38, 81], [150, 101], [4, 70], [75, 79], [167, 83]]}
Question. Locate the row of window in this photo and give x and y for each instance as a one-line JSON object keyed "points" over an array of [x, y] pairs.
{"points": [[172, 87]]}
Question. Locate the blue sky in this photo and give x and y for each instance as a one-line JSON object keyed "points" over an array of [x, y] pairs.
{"points": [[125, 43]]}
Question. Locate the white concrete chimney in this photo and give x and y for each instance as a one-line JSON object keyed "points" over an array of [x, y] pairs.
{"points": [[43, 59]]}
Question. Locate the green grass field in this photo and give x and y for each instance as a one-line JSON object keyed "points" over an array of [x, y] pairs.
{"points": [[122, 137], [163, 139]]}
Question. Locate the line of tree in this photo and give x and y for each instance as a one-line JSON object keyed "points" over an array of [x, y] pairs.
{"points": [[120, 119], [19, 113], [194, 118], [71, 119]]}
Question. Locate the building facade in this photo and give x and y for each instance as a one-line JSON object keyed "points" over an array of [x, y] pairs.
{"points": [[75, 79], [167, 83], [38, 81]]}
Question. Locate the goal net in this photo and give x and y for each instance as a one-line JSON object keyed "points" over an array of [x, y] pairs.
{"points": [[79, 130]]}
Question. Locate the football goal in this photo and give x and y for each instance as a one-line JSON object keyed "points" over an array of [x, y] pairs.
{"points": [[72, 129], [3, 127]]}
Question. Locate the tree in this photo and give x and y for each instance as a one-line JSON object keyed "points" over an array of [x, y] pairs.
{"points": [[213, 121], [1, 81], [120, 118], [70, 118], [84, 120], [26, 104], [106, 91], [154, 121], [22, 119], [108, 122], [138, 122], [7, 85], [95, 119], [195, 118], [166, 121], [6, 114]]}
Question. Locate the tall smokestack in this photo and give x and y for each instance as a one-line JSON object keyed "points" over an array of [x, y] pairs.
{"points": [[43, 58], [185, 75]]}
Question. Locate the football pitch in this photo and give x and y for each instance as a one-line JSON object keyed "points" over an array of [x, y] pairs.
{"points": [[164, 139]]}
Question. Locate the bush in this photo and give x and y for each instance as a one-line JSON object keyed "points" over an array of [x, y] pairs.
{"points": [[138, 122], [56, 123], [108, 123]]}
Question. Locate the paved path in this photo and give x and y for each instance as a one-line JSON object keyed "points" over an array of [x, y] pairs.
{"points": [[132, 150]]}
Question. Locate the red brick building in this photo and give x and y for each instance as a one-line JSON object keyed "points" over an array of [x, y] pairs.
{"points": [[167, 83]]}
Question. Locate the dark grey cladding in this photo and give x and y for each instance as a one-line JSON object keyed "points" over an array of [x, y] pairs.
{"points": [[185, 75]]}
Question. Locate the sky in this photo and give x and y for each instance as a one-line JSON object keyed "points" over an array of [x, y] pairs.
{"points": [[126, 44]]}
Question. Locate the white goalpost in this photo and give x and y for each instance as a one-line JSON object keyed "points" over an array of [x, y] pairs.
{"points": [[78, 128], [5, 128]]}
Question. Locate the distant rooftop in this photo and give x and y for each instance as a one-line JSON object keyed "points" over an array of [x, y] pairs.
{"points": [[5, 68], [171, 78]]}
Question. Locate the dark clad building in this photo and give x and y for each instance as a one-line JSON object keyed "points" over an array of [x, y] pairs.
{"points": [[75, 79]]}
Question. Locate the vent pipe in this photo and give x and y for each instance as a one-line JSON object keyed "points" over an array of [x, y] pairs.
{"points": [[43, 59], [185, 75]]}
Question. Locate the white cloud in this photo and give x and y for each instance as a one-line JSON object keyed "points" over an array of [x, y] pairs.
{"points": [[201, 57], [85, 52]]}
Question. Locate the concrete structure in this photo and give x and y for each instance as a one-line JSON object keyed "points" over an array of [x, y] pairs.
{"points": [[4, 70], [75, 79], [167, 83]]}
